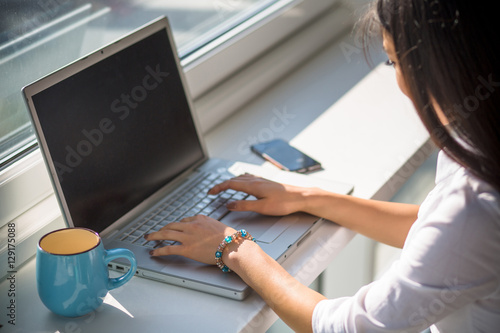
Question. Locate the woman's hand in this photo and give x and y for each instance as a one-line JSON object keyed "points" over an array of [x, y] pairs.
{"points": [[199, 237], [272, 198]]}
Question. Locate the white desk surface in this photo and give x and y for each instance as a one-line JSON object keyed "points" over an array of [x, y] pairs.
{"points": [[355, 121]]}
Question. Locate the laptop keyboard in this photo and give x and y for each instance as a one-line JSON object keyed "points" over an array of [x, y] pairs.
{"points": [[190, 201]]}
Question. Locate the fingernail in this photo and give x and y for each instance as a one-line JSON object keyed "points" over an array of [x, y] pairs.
{"points": [[151, 253], [146, 236], [231, 205]]}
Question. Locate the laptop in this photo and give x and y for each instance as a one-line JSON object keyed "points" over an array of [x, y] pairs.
{"points": [[126, 156]]}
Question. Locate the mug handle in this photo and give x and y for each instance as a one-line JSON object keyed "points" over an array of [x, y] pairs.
{"points": [[113, 254]]}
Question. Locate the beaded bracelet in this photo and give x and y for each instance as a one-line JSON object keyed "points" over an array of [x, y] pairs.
{"points": [[228, 239]]}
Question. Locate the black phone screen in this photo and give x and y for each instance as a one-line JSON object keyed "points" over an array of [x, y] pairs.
{"points": [[284, 156]]}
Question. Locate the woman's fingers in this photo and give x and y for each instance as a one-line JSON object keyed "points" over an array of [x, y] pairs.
{"points": [[241, 183], [167, 234], [168, 250], [272, 198], [246, 205], [199, 237]]}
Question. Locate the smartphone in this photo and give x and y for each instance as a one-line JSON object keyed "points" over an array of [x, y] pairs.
{"points": [[285, 157]]}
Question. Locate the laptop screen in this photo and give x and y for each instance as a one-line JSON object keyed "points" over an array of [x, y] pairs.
{"points": [[118, 131]]}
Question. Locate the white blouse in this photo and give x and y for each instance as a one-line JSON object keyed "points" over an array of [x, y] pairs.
{"points": [[448, 275]]}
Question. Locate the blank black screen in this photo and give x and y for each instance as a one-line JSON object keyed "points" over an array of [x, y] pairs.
{"points": [[118, 131]]}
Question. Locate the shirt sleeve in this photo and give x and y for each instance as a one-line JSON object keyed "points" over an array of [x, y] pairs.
{"points": [[451, 261]]}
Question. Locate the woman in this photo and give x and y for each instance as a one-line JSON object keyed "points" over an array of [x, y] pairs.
{"points": [[445, 58]]}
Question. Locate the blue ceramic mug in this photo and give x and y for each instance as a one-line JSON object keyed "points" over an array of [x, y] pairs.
{"points": [[72, 271]]}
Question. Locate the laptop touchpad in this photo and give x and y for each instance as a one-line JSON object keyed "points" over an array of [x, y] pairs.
{"points": [[264, 228], [277, 229]]}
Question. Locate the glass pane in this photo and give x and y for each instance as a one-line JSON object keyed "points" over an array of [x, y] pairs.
{"points": [[37, 37]]}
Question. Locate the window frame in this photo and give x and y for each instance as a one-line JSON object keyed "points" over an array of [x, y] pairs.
{"points": [[237, 48]]}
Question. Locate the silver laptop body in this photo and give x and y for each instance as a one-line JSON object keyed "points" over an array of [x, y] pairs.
{"points": [[123, 147]]}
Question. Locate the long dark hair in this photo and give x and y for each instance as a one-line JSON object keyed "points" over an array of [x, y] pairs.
{"points": [[448, 51]]}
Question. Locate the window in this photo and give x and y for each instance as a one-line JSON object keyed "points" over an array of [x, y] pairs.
{"points": [[39, 37], [217, 40]]}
